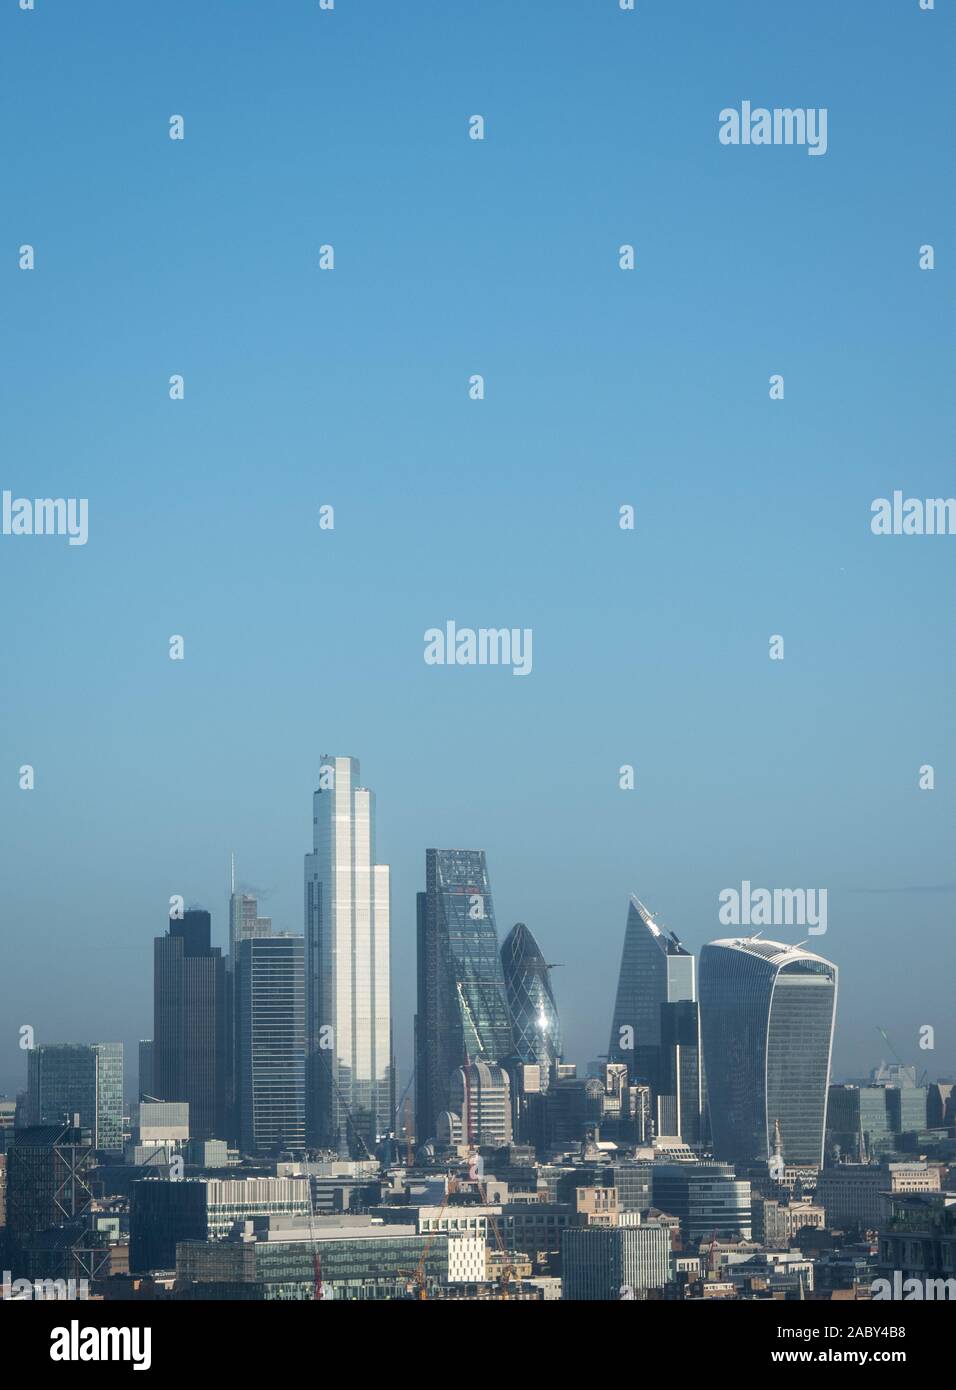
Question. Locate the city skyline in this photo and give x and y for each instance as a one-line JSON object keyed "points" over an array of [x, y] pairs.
{"points": [[604, 389], [869, 1052]]}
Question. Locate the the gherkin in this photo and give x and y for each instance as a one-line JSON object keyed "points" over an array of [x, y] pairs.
{"points": [[534, 1014]]}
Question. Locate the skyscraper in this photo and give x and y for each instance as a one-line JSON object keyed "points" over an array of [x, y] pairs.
{"points": [[679, 1100], [534, 1014], [189, 1033], [66, 1080], [767, 1013], [145, 1068], [656, 969], [61, 1086], [244, 919], [109, 1097], [270, 1042], [244, 924], [462, 1009], [347, 968]]}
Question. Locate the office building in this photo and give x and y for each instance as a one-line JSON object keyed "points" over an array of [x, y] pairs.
{"points": [[341, 1258], [349, 1073], [480, 1097], [705, 1198], [244, 924], [767, 1013], [534, 1015], [611, 1263], [109, 1097], [48, 1169], [270, 1043], [146, 1087], [76, 1083], [462, 1013], [189, 1033], [679, 1099], [917, 1240], [656, 969], [858, 1122], [858, 1194], [908, 1108], [163, 1213]]}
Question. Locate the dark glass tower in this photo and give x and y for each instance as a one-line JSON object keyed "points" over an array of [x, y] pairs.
{"points": [[767, 1013], [462, 1011], [534, 1014], [189, 1033], [679, 1101]]}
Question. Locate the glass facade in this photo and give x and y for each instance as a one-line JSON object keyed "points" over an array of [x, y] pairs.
{"points": [[604, 1264], [189, 1018], [908, 1107], [858, 1122], [61, 1083], [270, 1043], [244, 924], [534, 1015], [69, 1079], [462, 1009], [705, 1197], [655, 969], [109, 1097], [349, 1078], [767, 1013], [680, 1099], [362, 1268]]}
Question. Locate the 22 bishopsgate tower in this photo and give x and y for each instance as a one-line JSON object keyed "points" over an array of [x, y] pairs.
{"points": [[349, 1074]]}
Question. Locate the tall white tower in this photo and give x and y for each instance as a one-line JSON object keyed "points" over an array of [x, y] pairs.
{"points": [[348, 1000]]}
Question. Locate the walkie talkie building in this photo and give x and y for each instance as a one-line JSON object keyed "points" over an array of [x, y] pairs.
{"points": [[767, 1013]]}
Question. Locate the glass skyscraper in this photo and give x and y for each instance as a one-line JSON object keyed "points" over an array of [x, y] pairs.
{"points": [[534, 1015], [65, 1080], [270, 1042], [109, 1097], [244, 924], [767, 1013], [349, 1078], [189, 1022], [656, 969], [462, 1009]]}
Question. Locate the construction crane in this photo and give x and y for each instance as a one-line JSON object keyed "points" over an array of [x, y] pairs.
{"points": [[508, 1272], [418, 1277], [883, 1034], [349, 1120], [318, 1292]]}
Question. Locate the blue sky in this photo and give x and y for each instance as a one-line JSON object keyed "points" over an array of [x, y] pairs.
{"points": [[603, 387]]}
